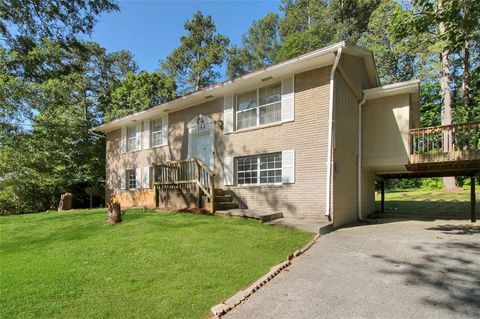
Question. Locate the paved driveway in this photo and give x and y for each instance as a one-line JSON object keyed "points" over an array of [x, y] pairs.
{"points": [[396, 269]]}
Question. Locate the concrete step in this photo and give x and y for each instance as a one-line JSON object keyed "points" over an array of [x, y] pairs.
{"points": [[225, 205], [247, 213], [223, 198]]}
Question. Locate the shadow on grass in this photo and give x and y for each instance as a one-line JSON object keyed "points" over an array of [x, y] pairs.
{"points": [[450, 268]]}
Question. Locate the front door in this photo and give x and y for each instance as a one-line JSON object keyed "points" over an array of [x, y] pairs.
{"points": [[203, 147]]}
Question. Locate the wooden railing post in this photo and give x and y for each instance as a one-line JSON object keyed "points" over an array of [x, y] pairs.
{"points": [[212, 193], [199, 192]]}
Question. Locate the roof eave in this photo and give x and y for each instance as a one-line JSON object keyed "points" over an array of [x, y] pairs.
{"points": [[410, 87]]}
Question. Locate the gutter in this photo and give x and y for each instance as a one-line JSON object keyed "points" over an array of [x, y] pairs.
{"points": [[331, 123], [359, 161]]}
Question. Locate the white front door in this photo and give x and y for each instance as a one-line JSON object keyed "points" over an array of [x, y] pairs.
{"points": [[202, 148]]}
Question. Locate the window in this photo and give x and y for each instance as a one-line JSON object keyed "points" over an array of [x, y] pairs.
{"points": [[259, 107], [131, 138], [157, 133], [247, 110], [263, 169], [131, 179]]}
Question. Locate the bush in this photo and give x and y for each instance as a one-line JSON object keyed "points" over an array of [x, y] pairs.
{"points": [[432, 183]]}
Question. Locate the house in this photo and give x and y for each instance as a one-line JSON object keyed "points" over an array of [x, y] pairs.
{"points": [[307, 137]]}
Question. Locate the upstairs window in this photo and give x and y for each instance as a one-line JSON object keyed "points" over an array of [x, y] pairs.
{"points": [[131, 138], [270, 98], [157, 132], [259, 107]]}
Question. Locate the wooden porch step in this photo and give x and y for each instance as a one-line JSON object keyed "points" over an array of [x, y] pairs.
{"points": [[223, 198]]}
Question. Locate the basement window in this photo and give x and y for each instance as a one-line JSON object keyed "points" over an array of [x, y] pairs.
{"points": [[132, 179], [263, 169]]}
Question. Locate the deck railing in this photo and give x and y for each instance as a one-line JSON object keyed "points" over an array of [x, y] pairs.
{"points": [[186, 174], [446, 143]]}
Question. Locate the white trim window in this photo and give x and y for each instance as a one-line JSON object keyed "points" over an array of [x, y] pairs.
{"points": [[259, 107], [131, 138], [131, 178], [157, 132], [262, 169]]}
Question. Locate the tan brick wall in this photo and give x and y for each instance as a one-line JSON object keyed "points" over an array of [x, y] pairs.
{"points": [[307, 135]]}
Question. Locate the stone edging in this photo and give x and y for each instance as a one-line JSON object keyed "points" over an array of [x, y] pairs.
{"points": [[222, 308]]}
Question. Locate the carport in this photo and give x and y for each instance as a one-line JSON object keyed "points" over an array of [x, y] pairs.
{"points": [[423, 172]]}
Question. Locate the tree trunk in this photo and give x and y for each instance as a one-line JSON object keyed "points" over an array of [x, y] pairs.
{"points": [[446, 113], [114, 213], [65, 202], [466, 81]]}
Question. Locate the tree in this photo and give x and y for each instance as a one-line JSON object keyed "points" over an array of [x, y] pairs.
{"points": [[259, 46], [55, 152], [447, 28], [141, 91], [351, 18], [195, 62], [308, 25], [305, 26], [58, 20], [394, 59]]}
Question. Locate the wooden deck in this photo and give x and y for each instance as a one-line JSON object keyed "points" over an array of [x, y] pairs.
{"points": [[447, 147]]}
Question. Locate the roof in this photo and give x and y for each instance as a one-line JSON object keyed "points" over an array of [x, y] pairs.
{"points": [[410, 87], [305, 62]]}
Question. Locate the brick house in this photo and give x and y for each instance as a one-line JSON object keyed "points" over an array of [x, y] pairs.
{"points": [[307, 137]]}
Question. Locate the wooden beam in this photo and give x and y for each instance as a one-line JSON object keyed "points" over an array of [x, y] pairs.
{"points": [[473, 200]]}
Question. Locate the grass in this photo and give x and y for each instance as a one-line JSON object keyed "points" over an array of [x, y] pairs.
{"points": [[428, 202], [161, 265]]}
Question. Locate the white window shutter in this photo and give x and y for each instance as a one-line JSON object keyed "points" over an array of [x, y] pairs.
{"points": [[123, 184], [138, 136], [288, 99], [146, 177], [146, 134], [228, 114], [165, 130], [138, 174], [228, 170], [288, 167], [123, 140]]}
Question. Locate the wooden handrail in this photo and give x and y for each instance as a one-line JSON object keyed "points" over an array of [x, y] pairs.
{"points": [[444, 126], [192, 171]]}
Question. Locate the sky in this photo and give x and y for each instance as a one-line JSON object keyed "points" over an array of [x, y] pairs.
{"points": [[152, 29]]}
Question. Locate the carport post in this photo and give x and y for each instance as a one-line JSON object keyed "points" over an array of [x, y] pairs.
{"points": [[382, 192], [472, 199]]}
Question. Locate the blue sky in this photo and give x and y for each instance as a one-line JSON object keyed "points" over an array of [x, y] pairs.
{"points": [[152, 29]]}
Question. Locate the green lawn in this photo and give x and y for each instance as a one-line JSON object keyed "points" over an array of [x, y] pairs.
{"points": [[152, 265], [428, 202]]}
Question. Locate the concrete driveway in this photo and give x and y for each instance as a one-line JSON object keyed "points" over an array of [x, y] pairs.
{"points": [[393, 269]]}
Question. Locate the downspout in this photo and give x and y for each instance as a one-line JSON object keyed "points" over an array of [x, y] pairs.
{"points": [[359, 161], [331, 123]]}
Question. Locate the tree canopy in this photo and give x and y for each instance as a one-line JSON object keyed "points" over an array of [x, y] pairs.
{"points": [[194, 64]]}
